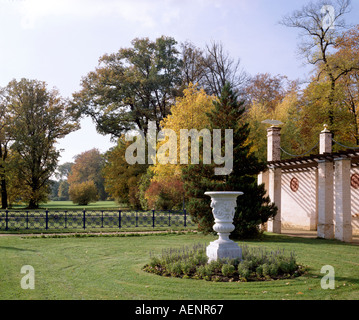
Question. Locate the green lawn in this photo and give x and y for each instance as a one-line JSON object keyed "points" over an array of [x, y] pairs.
{"points": [[69, 205], [110, 268]]}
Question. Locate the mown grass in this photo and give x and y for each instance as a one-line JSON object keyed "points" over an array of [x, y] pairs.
{"points": [[111, 268], [69, 205]]}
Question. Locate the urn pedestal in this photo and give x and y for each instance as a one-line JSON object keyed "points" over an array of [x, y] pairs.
{"points": [[223, 207]]}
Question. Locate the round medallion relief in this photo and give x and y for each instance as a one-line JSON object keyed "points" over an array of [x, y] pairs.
{"points": [[354, 181], [294, 184]]}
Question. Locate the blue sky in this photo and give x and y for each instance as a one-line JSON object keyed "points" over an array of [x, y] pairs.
{"points": [[60, 41]]}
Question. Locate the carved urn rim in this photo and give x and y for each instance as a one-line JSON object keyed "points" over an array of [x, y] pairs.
{"points": [[223, 193]]}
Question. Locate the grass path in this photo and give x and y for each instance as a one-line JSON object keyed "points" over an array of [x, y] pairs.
{"points": [[110, 268]]}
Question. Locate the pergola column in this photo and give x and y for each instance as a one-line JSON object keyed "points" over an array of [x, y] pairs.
{"points": [[343, 218], [274, 178], [325, 227]]}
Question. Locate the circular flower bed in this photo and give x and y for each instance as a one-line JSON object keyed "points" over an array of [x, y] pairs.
{"points": [[256, 264]]}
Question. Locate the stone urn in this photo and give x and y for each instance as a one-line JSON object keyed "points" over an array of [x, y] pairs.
{"points": [[223, 207]]}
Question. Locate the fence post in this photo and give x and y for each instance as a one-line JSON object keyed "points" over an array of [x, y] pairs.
{"points": [[169, 218], [27, 219], [46, 219], [153, 218], [136, 219], [185, 218], [6, 220], [101, 218], [119, 219], [84, 219]]}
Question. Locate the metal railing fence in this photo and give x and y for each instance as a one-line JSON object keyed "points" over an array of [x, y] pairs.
{"points": [[86, 219]]}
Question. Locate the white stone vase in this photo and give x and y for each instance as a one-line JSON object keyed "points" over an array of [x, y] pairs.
{"points": [[223, 207]]}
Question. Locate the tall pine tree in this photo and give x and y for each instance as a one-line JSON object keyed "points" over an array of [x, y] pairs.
{"points": [[253, 208]]}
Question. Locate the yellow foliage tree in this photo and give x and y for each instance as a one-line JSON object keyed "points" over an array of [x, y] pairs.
{"points": [[165, 188], [189, 112], [286, 111]]}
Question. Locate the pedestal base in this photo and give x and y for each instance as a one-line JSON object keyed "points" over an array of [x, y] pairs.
{"points": [[222, 250]]}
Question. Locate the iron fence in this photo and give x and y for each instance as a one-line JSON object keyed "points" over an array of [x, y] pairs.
{"points": [[86, 219]]}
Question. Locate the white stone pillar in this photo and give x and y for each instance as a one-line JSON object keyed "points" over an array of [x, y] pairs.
{"points": [[275, 185], [325, 141], [273, 144], [274, 177], [325, 227], [343, 217], [263, 179], [325, 175]]}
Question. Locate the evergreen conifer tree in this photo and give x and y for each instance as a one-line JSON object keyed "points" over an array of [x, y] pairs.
{"points": [[253, 208]]}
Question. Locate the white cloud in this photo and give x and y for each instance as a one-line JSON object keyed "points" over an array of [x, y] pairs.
{"points": [[33, 10], [144, 12]]}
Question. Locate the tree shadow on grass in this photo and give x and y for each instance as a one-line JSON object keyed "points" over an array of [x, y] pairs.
{"points": [[16, 249]]}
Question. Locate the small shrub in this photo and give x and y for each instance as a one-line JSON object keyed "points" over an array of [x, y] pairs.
{"points": [[274, 270], [259, 271], [201, 271], [200, 258], [154, 262], [228, 270], [284, 266], [266, 269], [83, 193], [214, 266], [176, 269], [256, 265], [187, 267], [243, 271]]}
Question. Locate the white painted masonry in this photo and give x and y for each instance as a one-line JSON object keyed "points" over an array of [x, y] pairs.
{"points": [[274, 178], [322, 196]]}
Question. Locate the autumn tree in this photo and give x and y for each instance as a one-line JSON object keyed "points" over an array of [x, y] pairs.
{"points": [[347, 58], [193, 66], [165, 193], [315, 103], [88, 166], [321, 24], [121, 178], [272, 97], [38, 117], [165, 187], [267, 90], [4, 146], [210, 68], [15, 190], [83, 193], [189, 112]]}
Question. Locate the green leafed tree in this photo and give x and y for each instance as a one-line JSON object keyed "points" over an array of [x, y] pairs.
{"points": [[131, 87]]}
